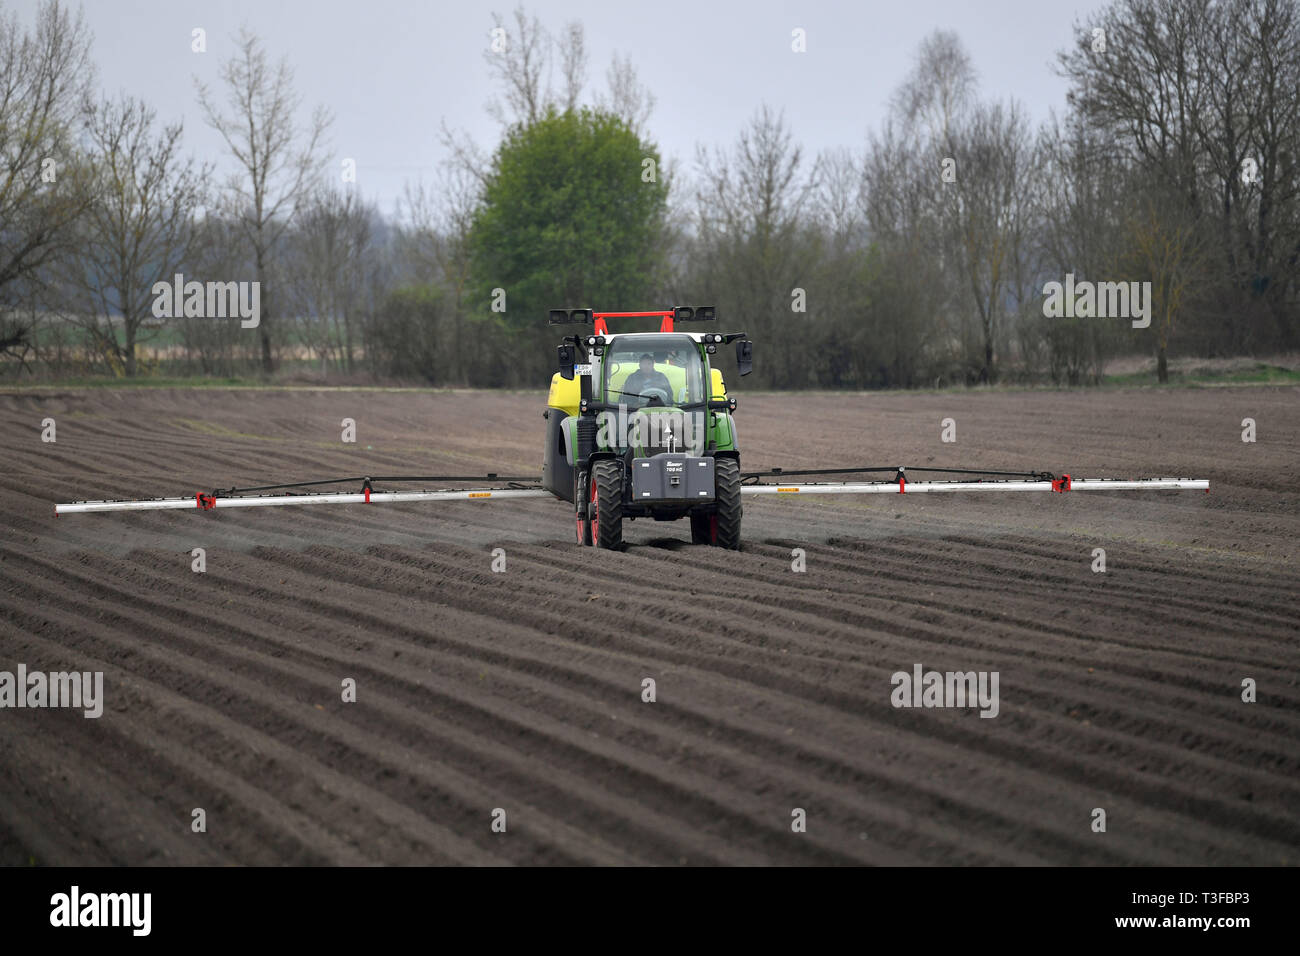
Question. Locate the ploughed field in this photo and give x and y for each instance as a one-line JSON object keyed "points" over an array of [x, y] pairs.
{"points": [[523, 690]]}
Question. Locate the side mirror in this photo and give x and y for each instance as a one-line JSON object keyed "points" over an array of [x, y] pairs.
{"points": [[745, 357], [567, 360]]}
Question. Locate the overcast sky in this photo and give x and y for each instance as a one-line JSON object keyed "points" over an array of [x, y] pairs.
{"points": [[392, 71]]}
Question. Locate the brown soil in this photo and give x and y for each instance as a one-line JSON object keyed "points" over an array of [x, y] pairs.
{"points": [[522, 690]]}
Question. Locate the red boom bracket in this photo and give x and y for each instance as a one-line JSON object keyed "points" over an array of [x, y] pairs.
{"points": [[665, 319], [1061, 484], [206, 502]]}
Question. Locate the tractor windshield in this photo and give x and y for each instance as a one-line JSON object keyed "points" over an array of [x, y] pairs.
{"points": [[653, 369]]}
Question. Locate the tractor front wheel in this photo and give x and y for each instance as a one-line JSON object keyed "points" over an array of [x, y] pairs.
{"points": [[606, 503], [724, 531]]}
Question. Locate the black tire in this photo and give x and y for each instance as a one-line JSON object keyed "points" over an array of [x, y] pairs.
{"points": [[726, 521], [702, 529], [607, 515]]}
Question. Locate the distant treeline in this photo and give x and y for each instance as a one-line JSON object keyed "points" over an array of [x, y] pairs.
{"points": [[920, 259]]}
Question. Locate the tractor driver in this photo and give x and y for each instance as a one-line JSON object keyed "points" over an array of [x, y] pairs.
{"points": [[646, 377]]}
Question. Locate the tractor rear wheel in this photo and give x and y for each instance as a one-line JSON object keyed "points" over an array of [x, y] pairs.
{"points": [[607, 503], [725, 530]]}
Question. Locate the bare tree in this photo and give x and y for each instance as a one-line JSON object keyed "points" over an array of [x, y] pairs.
{"points": [[1085, 198], [465, 154], [328, 255], [140, 228], [277, 157], [519, 58], [1200, 94], [951, 184], [573, 62], [1227, 128], [912, 291], [1272, 29], [751, 208], [990, 212], [435, 241], [839, 197], [214, 347], [1167, 246], [628, 98], [940, 86], [45, 76], [1147, 86]]}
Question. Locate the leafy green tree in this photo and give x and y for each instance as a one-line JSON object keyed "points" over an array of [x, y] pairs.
{"points": [[571, 215]]}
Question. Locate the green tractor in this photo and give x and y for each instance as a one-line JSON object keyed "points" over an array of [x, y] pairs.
{"points": [[639, 425]]}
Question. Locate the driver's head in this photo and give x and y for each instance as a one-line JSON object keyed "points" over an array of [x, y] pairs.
{"points": [[647, 363]]}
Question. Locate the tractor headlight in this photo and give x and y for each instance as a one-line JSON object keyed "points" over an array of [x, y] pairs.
{"points": [[711, 349], [591, 340]]}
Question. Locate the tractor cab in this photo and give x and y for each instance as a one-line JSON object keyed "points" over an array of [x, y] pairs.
{"points": [[658, 384], [651, 370]]}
